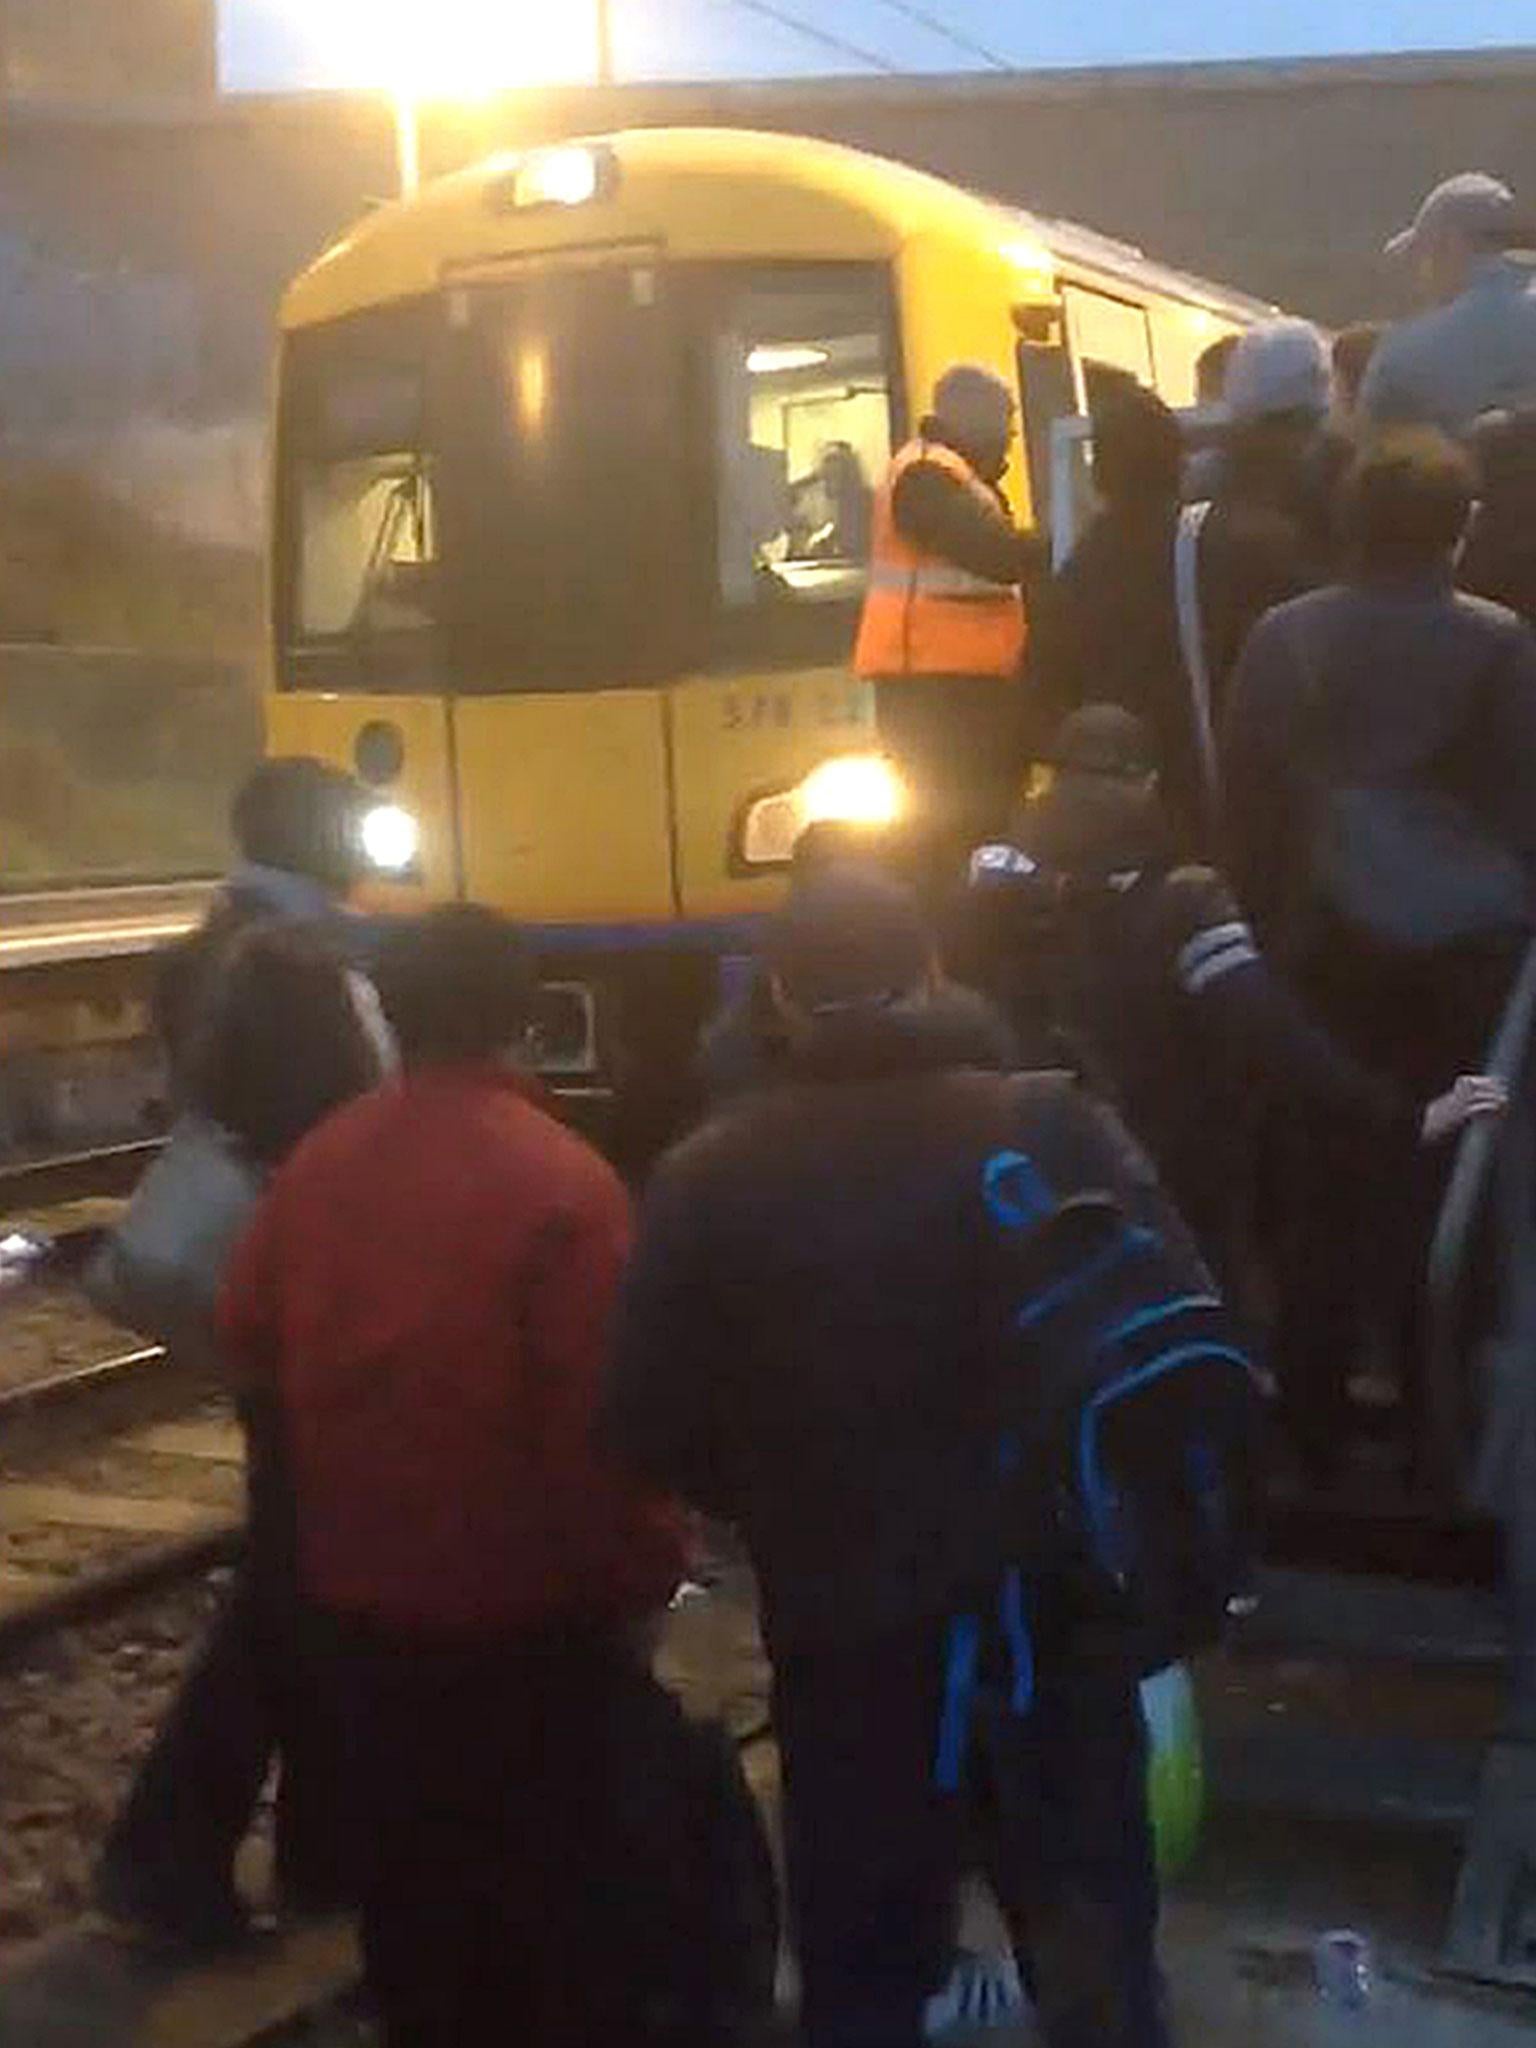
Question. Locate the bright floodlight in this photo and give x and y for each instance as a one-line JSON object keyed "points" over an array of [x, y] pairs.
{"points": [[391, 838], [440, 49]]}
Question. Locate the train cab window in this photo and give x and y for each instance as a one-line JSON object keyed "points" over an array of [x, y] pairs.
{"points": [[488, 495], [803, 403], [359, 529]]}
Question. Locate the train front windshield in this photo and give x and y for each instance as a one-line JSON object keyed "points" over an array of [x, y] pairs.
{"points": [[479, 489], [584, 475]]}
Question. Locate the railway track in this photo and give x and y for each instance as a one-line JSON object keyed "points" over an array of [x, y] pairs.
{"points": [[116, 1477], [29, 1185], [59, 926]]}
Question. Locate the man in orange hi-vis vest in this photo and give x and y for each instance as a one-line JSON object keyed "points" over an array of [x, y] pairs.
{"points": [[942, 634]]}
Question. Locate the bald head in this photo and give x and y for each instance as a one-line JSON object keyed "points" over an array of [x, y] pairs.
{"points": [[975, 407]]}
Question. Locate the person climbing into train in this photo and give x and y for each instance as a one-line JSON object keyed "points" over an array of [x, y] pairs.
{"points": [[943, 628], [296, 823], [804, 1350], [1379, 758], [1105, 948]]}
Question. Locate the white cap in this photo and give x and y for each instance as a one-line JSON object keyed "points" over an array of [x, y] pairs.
{"points": [[1279, 366], [1472, 207]]}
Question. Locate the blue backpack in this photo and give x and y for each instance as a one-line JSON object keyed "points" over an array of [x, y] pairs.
{"points": [[1130, 1419]]}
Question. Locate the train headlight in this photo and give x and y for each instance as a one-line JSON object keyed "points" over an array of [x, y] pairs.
{"points": [[391, 839], [850, 789], [568, 174]]}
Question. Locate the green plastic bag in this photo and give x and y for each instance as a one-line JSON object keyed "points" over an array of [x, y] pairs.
{"points": [[1175, 1767]]}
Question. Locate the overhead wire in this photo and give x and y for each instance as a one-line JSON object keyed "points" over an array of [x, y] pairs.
{"points": [[827, 38], [959, 39]]}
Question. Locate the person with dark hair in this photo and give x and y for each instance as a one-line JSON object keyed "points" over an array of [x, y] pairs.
{"points": [[1471, 256], [1107, 625], [1354, 350], [747, 1043], [288, 1035], [425, 1293], [803, 1351], [296, 824], [1211, 368], [458, 987], [1392, 678], [1380, 758]]}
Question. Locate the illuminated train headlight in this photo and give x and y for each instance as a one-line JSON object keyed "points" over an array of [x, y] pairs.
{"points": [[850, 789], [391, 839]]}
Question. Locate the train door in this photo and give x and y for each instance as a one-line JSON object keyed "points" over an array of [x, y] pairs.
{"points": [[568, 595]]}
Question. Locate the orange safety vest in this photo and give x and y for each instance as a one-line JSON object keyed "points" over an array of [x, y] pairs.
{"points": [[923, 616]]}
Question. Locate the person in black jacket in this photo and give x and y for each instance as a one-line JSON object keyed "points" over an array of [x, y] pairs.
{"points": [[803, 1351], [296, 824], [1106, 627], [1108, 953]]}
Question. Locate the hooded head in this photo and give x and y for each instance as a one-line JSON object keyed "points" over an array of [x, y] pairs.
{"points": [[1101, 813], [974, 408], [303, 817], [851, 938]]}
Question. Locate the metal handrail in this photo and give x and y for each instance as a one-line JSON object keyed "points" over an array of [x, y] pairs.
{"points": [[1478, 1153]]}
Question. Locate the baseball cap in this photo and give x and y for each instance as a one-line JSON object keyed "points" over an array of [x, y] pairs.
{"points": [[849, 938], [1280, 366], [1103, 739], [1473, 207]]}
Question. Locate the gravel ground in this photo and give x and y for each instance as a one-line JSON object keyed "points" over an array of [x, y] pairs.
{"points": [[75, 1715]]}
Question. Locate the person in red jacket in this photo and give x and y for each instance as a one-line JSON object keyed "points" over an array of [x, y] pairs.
{"points": [[425, 1291]]}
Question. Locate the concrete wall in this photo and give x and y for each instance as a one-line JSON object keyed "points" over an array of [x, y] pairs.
{"points": [[66, 51], [142, 247]]}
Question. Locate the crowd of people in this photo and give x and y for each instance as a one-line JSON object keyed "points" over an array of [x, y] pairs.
{"points": [[1257, 915]]}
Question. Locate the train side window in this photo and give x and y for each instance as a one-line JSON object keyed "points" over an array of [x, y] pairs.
{"points": [[802, 391], [1109, 340]]}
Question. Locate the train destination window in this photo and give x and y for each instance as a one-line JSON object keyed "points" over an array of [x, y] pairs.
{"points": [[803, 436]]}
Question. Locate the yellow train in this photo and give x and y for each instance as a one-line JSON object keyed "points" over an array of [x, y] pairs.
{"points": [[574, 454]]}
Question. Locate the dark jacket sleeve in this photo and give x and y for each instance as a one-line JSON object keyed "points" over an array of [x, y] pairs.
{"points": [[1058, 664], [1251, 560], [1510, 744], [1254, 1026], [1260, 795], [937, 513], [671, 1358]]}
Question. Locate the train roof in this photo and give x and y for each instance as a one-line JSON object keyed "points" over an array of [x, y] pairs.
{"points": [[748, 195]]}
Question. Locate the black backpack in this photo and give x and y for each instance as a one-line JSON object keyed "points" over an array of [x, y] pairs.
{"points": [[1131, 1417]]}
